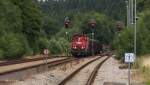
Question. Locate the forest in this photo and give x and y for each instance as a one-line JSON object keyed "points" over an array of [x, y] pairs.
{"points": [[29, 26]]}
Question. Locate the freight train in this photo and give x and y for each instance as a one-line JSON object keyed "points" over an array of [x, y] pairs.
{"points": [[81, 45]]}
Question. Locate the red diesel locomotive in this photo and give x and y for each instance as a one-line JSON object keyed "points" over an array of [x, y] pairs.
{"points": [[81, 45]]}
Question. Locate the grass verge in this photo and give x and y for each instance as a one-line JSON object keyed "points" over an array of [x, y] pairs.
{"points": [[143, 73]]}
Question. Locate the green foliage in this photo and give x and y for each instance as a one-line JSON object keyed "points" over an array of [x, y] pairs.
{"points": [[104, 26], [24, 30], [146, 72], [31, 18], [144, 32], [43, 43], [10, 20], [12, 46], [21, 30], [58, 46], [64, 45], [1, 54], [148, 82], [63, 8], [50, 26], [124, 43], [143, 5], [80, 12], [54, 47]]}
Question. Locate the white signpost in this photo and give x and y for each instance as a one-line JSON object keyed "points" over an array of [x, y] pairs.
{"points": [[129, 58], [46, 52]]}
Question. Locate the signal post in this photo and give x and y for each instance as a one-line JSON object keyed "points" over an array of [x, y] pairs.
{"points": [[66, 24], [92, 25]]}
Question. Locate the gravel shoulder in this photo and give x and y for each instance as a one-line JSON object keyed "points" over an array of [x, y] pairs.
{"points": [[82, 77], [110, 72], [55, 75]]}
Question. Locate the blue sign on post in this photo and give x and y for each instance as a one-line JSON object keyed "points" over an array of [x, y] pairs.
{"points": [[129, 57]]}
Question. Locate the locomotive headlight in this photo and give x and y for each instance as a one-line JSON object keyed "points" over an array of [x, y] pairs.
{"points": [[82, 47], [75, 47]]}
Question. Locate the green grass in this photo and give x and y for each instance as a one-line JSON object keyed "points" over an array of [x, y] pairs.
{"points": [[144, 70], [148, 83]]}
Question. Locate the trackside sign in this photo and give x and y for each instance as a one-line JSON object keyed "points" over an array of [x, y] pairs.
{"points": [[129, 57]]}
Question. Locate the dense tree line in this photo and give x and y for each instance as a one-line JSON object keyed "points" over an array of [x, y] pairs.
{"points": [[125, 41], [80, 12], [28, 26], [20, 28], [115, 9]]}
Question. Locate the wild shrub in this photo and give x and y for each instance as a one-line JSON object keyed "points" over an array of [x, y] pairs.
{"points": [[1, 54], [12, 45], [123, 43], [55, 47]]}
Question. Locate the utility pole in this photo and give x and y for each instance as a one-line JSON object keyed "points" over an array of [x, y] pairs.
{"points": [[132, 12], [135, 18], [132, 17], [128, 13]]}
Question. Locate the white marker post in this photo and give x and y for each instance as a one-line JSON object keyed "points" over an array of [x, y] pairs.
{"points": [[129, 58], [46, 52]]}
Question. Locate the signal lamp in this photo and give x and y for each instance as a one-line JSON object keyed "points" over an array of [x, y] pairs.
{"points": [[66, 22], [82, 47], [92, 23], [119, 26], [75, 47]]}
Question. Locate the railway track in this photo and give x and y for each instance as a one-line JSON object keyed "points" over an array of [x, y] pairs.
{"points": [[5, 63], [23, 71], [90, 79], [95, 71]]}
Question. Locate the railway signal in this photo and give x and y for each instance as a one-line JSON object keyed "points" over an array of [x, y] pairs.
{"points": [[92, 24], [66, 22], [119, 26]]}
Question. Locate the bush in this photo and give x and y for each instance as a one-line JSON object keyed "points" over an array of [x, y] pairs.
{"points": [[43, 43], [58, 46], [124, 43], [12, 45], [54, 46], [144, 32], [64, 45], [28, 49], [1, 54]]}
